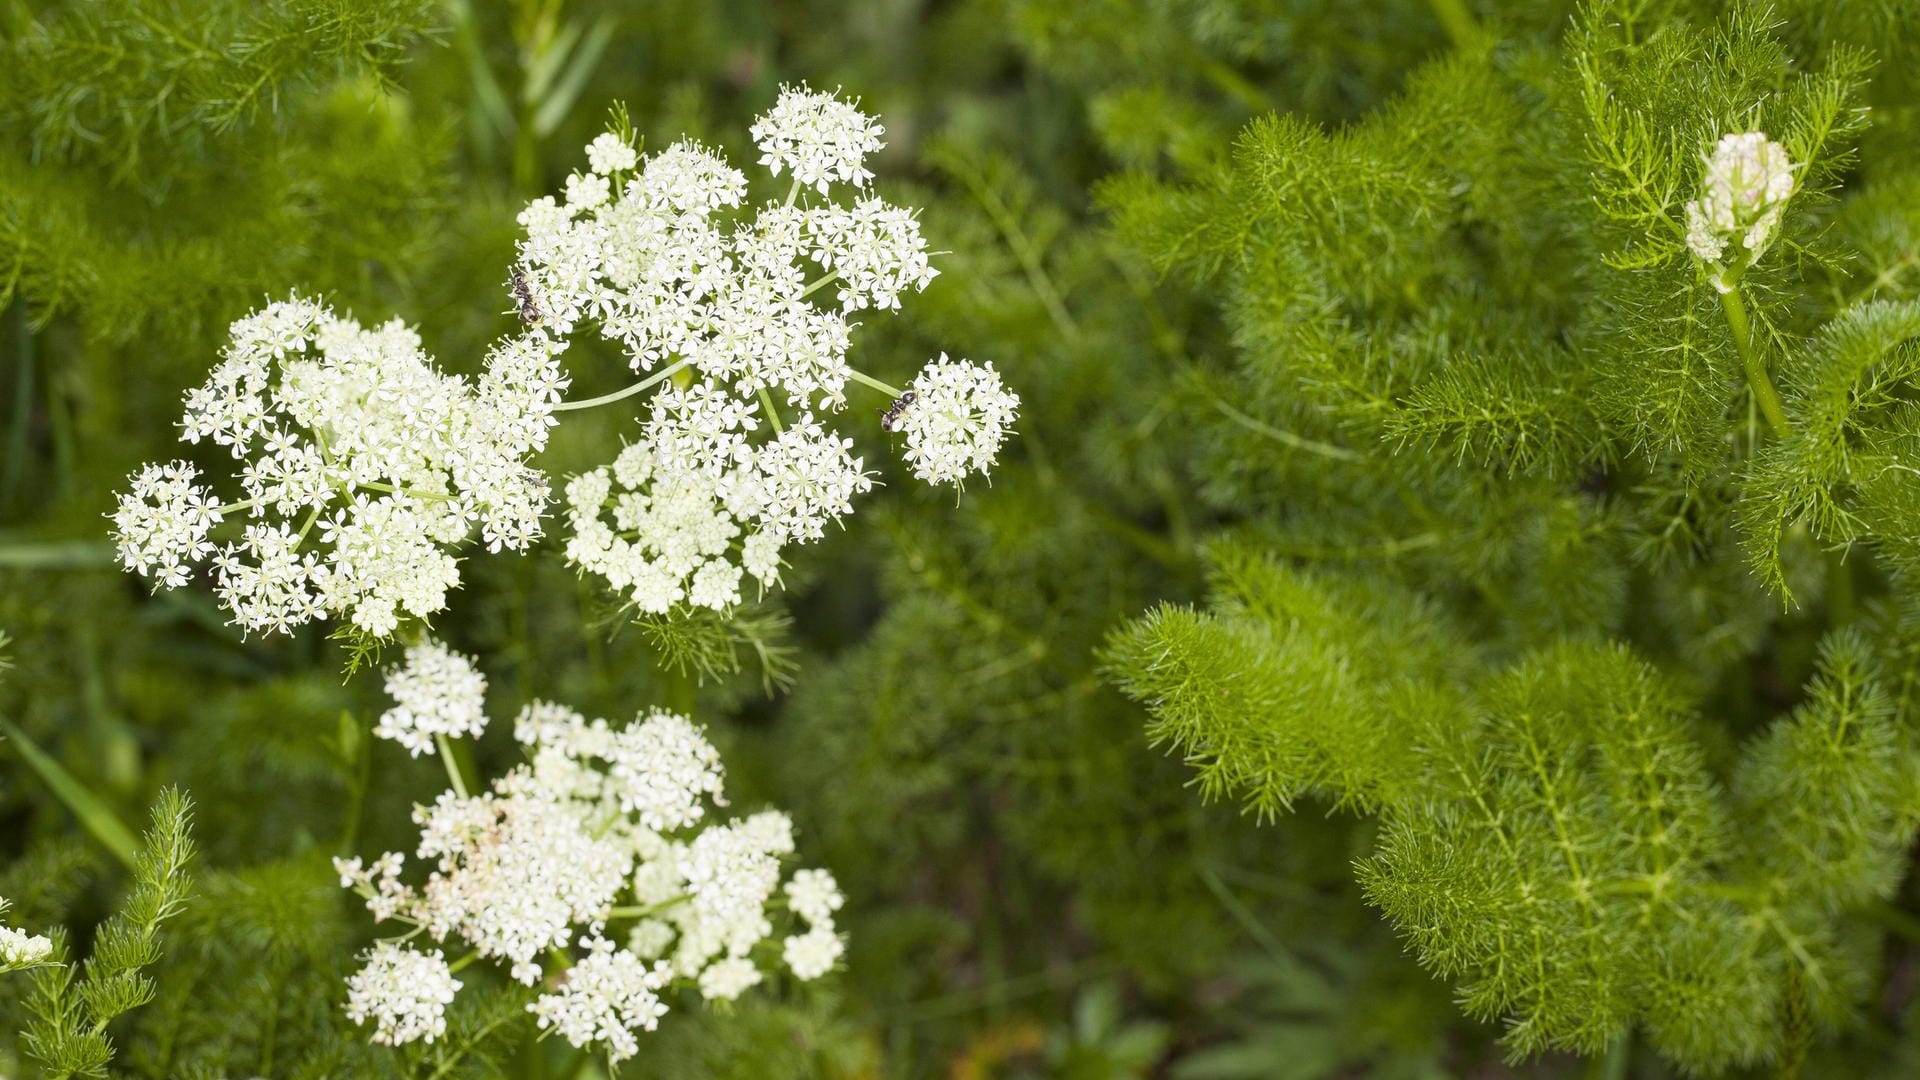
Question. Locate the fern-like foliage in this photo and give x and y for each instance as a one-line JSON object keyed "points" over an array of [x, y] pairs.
{"points": [[1521, 586], [1553, 837], [73, 1002]]}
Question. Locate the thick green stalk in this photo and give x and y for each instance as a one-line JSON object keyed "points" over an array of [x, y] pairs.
{"points": [[1763, 392]]}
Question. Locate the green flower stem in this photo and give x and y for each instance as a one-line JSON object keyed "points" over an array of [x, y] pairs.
{"points": [[650, 381], [453, 767], [862, 377], [56, 555], [1763, 392], [817, 284], [305, 528], [773, 413], [463, 962], [411, 493], [639, 911], [1615, 1062]]}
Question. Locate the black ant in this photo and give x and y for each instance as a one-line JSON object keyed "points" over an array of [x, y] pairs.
{"points": [[523, 296], [890, 416]]}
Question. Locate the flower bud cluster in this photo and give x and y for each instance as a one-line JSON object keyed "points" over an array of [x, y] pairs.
{"points": [[1749, 179]]}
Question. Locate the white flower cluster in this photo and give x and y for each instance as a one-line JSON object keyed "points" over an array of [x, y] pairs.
{"points": [[19, 949], [404, 992], [362, 466], [1748, 181], [608, 996], [955, 418], [822, 139], [814, 896], [163, 523], [601, 825], [661, 255], [678, 517], [437, 692], [365, 468]]}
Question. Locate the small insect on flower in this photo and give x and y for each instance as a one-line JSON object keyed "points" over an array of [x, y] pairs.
{"points": [[890, 416], [955, 418], [523, 298]]}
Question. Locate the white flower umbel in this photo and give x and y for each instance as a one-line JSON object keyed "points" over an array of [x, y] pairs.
{"points": [[602, 824], [954, 418], [681, 516], [514, 872], [436, 693], [361, 469], [734, 312], [814, 896], [668, 264], [605, 998], [163, 522], [405, 993], [1748, 180], [662, 770], [820, 138], [726, 980]]}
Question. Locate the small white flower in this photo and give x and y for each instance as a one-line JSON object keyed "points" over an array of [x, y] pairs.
{"points": [[725, 980], [955, 417], [608, 154], [19, 949], [163, 522], [436, 692], [586, 191], [606, 997], [650, 938], [814, 895], [821, 138], [812, 954], [405, 993], [1748, 180]]}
